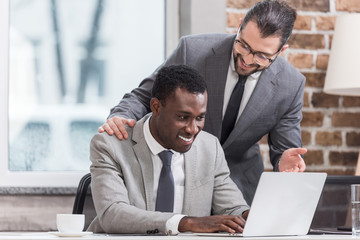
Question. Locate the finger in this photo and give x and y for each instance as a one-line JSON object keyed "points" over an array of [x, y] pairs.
{"points": [[101, 129], [302, 165], [108, 129], [230, 226], [120, 126], [131, 122], [236, 223], [245, 214], [239, 221], [299, 151], [115, 129]]}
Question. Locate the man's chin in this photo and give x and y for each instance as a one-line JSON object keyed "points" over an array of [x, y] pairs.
{"points": [[247, 72], [183, 149]]}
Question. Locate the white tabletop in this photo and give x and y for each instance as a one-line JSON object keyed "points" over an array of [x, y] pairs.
{"points": [[49, 236]]}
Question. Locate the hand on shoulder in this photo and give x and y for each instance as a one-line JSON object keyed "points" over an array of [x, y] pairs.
{"points": [[116, 125]]}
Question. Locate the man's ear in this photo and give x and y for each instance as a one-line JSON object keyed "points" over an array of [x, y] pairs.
{"points": [[155, 106], [238, 30], [284, 48]]}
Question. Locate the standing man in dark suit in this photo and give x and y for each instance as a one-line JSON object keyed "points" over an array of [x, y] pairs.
{"points": [[252, 91]]}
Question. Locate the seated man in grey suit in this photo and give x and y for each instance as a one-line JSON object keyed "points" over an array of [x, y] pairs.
{"points": [[168, 176]]}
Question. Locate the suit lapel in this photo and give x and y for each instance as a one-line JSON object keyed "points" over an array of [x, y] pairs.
{"points": [[258, 101], [217, 66], [190, 167], [143, 155]]}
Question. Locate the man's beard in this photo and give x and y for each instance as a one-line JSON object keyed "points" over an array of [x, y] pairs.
{"points": [[240, 58]]}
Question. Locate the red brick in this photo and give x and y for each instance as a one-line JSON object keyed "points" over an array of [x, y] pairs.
{"points": [[351, 101], [325, 22], [312, 119], [312, 5], [333, 171], [328, 138], [314, 79], [314, 157], [306, 137], [233, 19], [322, 62], [330, 40], [353, 139], [306, 99], [241, 4], [303, 23], [345, 119], [348, 5], [343, 158], [301, 60], [320, 99], [307, 41], [264, 140]]}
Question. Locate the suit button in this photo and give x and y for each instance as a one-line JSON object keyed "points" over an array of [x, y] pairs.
{"points": [[148, 232], [156, 230]]}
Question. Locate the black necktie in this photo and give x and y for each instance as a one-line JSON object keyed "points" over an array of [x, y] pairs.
{"points": [[165, 193], [232, 109]]}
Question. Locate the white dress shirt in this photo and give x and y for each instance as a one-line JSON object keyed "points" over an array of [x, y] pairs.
{"points": [[178, 171], [232, 78]]}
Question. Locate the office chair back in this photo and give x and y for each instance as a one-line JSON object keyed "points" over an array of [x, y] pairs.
{"points": [[83, 203], [334, 208]]}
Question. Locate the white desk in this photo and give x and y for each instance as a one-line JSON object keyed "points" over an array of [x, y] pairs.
{"points": [[48, 236]]}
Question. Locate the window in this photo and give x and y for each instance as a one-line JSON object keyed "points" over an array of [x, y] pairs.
{"points": [[63, 65]]}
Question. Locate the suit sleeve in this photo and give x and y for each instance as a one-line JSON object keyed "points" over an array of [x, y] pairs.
{"points": [[115, 214], [136, 104], [227, 198], [287, 133]]}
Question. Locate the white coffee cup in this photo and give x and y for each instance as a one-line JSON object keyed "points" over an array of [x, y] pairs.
{"points": [[70, 223]]}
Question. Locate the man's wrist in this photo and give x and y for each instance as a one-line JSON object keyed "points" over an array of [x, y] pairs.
{"points": [[277, 166], [172, 224], [184, 224]]}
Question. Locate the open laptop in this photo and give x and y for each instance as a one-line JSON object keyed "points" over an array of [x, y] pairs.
{"points": [[284, 204]]}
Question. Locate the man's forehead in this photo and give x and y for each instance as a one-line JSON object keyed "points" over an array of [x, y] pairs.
{"points": [[251, 35], [187, 99], [180, 92]]}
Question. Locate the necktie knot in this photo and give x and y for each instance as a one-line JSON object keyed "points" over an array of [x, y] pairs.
{"points": [[242, 79], [165, 157]]}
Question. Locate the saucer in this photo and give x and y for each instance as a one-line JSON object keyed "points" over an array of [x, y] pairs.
{"points": [[70, 234]]}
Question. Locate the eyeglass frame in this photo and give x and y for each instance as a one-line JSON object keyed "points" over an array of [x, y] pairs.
{"points": [[251, 51]]}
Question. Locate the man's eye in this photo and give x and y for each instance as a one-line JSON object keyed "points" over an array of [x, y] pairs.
{"points": [[261, 56], [200, 118], [181, 117]]}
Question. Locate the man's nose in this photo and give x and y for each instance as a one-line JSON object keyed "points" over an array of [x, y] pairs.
{"points": [[249, 59], [192, 127]]}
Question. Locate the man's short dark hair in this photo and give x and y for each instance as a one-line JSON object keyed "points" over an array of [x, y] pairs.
{"points": [[273, 17], [169, 78]]}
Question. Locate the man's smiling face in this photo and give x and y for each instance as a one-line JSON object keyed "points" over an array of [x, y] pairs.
{"points": [[251, 36], [176, 123]]}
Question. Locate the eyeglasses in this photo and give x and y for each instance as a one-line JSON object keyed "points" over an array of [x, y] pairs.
{"points": [[258, 57]]}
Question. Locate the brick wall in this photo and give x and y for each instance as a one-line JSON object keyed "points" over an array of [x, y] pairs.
{"points": [[331, 124]]}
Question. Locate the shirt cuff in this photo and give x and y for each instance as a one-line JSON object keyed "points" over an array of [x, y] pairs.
{"points": [[172, 224]]}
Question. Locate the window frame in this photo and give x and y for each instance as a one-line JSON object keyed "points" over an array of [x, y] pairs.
{"points": [[49, 179]]}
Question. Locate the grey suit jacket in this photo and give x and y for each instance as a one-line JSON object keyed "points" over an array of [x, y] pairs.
{"points": [[274, 107], [122, 183]]}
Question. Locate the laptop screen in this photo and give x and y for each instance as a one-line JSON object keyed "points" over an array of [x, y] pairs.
{"points": [[284, 204]]}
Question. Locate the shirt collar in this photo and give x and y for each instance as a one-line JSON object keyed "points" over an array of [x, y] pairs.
{"points": [[253, 76], [154, 146]]}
